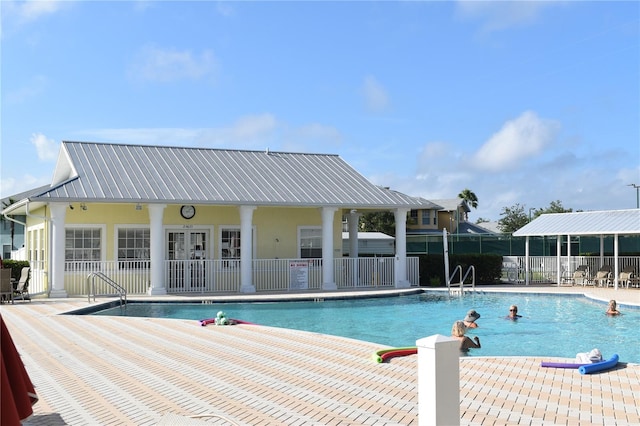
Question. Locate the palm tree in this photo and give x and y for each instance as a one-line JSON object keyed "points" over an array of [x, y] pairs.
{"points": [[469, 197]]}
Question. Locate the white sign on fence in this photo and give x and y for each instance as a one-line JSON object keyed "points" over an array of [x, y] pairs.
{"points": [[298, 275]]}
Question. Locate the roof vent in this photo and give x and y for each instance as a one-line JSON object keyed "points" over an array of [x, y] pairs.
{"points": [[267, 151]]}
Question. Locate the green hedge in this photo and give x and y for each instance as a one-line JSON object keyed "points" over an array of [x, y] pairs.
{"points": [[15, 266], [488, 268]]}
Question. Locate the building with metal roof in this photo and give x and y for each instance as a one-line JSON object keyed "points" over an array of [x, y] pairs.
{"points": [[182, 219], [603, 223]]}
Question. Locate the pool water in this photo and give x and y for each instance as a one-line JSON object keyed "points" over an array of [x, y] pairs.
{"points": [[551, 325]]}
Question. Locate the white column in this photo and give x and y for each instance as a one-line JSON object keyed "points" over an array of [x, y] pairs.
{"points": [[58, 214], [558, 259], [616, 269], [400, 272], [246, 249], [438, 381], [568, 272], [354, 219], [527, 273], [156, 249], [328, 281]]}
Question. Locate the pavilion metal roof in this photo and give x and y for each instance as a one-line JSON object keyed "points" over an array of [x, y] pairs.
{"points": [[103, 172], [609, 222]]}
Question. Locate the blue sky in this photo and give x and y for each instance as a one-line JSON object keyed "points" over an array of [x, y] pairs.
{"points": [[521, 102]]}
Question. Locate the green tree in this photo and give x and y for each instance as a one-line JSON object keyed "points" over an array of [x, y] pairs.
{"points": [[378, 222], [482, 220], [470, 198], [554, 207], [513, 218]]}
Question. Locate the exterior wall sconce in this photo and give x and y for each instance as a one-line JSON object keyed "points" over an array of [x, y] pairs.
{"points": [[83, 206], [70, 206], [138, 206]]}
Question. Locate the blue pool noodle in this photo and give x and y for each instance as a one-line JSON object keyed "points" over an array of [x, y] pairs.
{"points": [[599, 366]]}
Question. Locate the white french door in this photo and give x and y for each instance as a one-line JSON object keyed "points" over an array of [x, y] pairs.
{"points": [[187, 251]]}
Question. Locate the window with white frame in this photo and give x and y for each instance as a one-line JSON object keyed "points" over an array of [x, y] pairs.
{"points": [[311, 243], [230, 243], [133, 247], [426, 217], [82, 246]]}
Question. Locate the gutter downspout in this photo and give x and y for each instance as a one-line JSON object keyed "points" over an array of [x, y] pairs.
{"points": [[46, 219]]}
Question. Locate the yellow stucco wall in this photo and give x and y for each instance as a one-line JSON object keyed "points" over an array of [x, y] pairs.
{"points": [[276, 228]]}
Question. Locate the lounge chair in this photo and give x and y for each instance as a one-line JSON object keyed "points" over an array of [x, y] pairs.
{"points": [[627, 276], [22, 287], [603, 276], [581, 275], [6, 288]]}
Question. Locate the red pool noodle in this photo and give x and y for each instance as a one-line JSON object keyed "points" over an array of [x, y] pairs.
{"points": [[400, 352]]}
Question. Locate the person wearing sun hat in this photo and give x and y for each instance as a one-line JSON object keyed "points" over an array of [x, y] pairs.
{"points": [[470, 319]]}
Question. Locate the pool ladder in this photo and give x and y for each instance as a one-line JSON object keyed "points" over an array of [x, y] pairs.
{"points": [[91, 287], [458, 287]]}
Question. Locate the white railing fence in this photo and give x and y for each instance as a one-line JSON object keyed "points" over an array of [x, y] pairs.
{"points": [[223, 276], [544, 269], [134, 276], [38, 278]]}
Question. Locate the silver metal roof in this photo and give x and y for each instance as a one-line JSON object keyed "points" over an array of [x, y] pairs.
{"points": [[451, 204], [99, 172], [621, 222]]}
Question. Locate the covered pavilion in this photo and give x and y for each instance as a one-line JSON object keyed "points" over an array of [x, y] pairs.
{"points": [[593, 223]]}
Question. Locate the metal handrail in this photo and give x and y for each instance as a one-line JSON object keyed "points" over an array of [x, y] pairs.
{"points": [[122, 293], [471, 270]]}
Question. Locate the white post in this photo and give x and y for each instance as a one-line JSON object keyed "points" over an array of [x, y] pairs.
{"points": [[527, 271], [354, 218], [445, 247], [246, 249], [328, 281], [558, 260], [401, 249], [569, 269], [156, 249], [616, 270], [438, 381], [58, 214]]}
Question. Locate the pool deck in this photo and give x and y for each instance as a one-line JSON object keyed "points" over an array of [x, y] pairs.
{"points": [[95, 370]]}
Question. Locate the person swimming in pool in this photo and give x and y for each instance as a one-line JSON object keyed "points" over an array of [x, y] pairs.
{"points": [[613, 308], [466, 342], [513, 313], [470, 319]]}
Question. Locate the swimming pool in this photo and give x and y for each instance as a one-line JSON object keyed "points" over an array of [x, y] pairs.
{"points": [[551, 325]]}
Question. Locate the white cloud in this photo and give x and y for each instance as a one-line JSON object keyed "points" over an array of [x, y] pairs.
{"points": [[499, 15], [165, 65], [17, 13], [27, 11], [314, 137], [225, 9], [32, 10], [519, 139], [255, 132], [247, 132], [375, 95], [13, 186], [47, 149]]}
